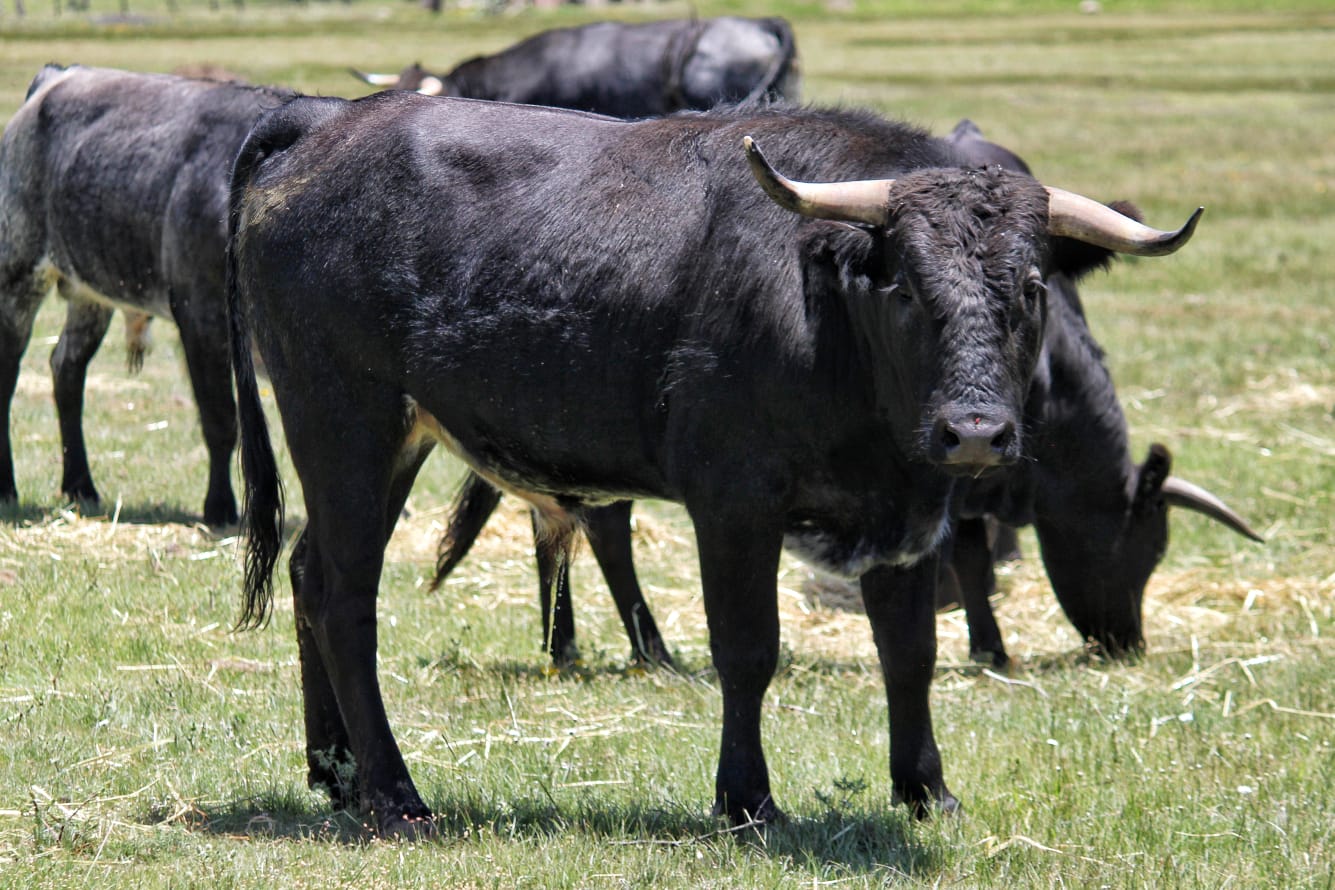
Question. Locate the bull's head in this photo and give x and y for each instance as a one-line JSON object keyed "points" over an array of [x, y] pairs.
{"points": [[1100, 549], [943, 275]]}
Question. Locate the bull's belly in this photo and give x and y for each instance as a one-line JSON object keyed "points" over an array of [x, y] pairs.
{"points": [[547, 494], [852, 553], [120, 295]]}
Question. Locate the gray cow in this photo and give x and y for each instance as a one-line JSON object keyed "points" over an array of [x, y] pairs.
{"points": [[113, 190], [626, 70]]}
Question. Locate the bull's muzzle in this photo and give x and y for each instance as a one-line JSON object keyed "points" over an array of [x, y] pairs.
{"points": [[973, 441]]}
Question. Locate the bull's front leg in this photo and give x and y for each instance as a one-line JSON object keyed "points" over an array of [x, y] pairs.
{"points": [[973, 568], [739, 563], [900, 605]]}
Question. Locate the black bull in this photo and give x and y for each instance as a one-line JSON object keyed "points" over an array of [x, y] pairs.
{"points": [[1101, 517], [590, 310]]}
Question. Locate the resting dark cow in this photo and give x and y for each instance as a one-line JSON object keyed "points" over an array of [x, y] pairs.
{"points": [[626, 70], [1101, 545], [595, 310], [113, 189]]}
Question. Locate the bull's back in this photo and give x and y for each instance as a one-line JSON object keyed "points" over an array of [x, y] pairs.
{"points": [[513, 269], [115, 174]]}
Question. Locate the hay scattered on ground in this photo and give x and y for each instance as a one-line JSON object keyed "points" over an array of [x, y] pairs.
{"points": [[821, 616], [69, 535]]}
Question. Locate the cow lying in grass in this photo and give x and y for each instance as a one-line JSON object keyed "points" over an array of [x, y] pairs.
{"points": [[629, 70]]}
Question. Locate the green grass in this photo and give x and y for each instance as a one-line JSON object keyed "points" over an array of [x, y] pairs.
{"points": [[143, 744]]}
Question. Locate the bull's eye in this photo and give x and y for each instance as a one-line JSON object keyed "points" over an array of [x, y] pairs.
{"points": [[896, 289], [1031, 292], [1034, 288]]}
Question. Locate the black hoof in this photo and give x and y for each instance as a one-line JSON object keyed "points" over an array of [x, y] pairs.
{"points": [[653, 656], [766, 812], [997, 659], [85, 495], [925, 806], [408, 826], [221, 515]]}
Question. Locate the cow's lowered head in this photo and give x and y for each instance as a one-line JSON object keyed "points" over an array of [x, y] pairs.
{"points": [[1100, 549], [943, 272]]}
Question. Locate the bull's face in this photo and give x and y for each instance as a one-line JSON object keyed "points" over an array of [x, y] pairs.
{"points": [[962, 261], [944, 286]]}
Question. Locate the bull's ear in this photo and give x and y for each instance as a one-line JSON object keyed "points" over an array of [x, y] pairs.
{"points": [[836, 254], [1079, 258], [1150, 477]]}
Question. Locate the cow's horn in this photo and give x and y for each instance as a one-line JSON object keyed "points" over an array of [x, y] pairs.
{"points": [[1181, 493], [1085, 219], [431, 86], [864, 201], [376, 80]]}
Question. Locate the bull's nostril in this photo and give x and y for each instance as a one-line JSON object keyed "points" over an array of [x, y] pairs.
{"points": [[973, 439]]}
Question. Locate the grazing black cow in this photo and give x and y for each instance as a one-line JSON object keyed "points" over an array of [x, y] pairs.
{"points": [[1101, 518], [626, 70], [113, 189], [592, 310], [1100, 545]]}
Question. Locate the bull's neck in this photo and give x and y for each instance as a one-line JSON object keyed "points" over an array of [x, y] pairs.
{"points": [[1082, 438]]}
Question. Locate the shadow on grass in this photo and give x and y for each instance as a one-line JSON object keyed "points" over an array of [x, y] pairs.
{"points": [[457, 661], [859, 841], [23, 513]]}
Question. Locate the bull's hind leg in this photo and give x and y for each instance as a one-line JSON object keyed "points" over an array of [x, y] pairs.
{"points": [[204, 342], [900, 606], [329, 761], [21, 293], [739, 564], [356, 470], [552, 548], [608, 531], [86, 325]]}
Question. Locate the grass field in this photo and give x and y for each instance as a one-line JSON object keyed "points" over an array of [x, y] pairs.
{"points": [[143, 744]]}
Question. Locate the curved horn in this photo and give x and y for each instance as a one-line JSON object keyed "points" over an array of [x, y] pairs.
{"points": [[1181, 493], [431, 86], [1085, 219], [375, 80], [863, 201]]}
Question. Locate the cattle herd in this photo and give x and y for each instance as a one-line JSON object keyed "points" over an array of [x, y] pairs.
{"points": [[657, 277]]}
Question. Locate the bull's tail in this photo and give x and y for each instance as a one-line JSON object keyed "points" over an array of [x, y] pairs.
{"points": [[262, 511], [780, 81], [138, 339], [473, 506]]}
